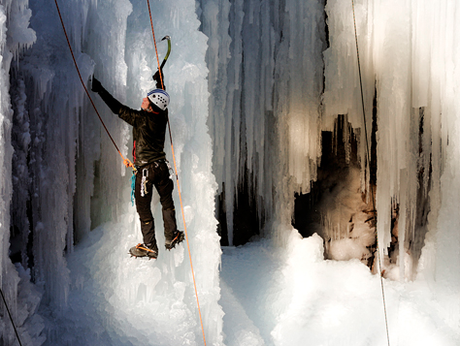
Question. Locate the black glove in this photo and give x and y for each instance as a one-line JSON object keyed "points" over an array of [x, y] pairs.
{"points": [[96, 86], [113, 103], [158, 77]]}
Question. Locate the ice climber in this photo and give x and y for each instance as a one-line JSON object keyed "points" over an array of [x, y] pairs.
{"points": [[149, 128]]}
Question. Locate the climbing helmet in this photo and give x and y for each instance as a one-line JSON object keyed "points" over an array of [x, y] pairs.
{"points": [[159, 98]]}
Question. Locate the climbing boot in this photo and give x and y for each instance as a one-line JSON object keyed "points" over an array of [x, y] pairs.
{"points": [[143, 250], [178, 236]]}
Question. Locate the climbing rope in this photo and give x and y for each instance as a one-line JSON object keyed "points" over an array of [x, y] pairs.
{"points": [[379, 261], [155, 45], [126, 161], [177, 182], [11, 317]]}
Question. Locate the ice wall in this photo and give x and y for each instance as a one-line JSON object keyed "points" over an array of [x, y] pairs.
{"points": [[55, 106], [401, 55], [185, 80], [408, 52], [407, 70], [266, 82], [70, 179], [267, 109], [22, 298]]}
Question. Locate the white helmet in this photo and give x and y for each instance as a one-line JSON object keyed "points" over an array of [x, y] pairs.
{"points": [[159, 98]]}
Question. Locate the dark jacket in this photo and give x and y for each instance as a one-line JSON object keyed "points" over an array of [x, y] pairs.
{"points": [[149, 129]]}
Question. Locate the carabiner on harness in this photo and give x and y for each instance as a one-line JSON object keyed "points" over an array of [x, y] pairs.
{"points": [[145, 174]]}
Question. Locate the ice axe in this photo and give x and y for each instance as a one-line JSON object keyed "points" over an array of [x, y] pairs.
{"points": [[156, 76]]}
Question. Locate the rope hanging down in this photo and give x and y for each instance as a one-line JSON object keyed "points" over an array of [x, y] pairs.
{"points": [[11, 317], [379, 261], [177, 182], [126, 161]]}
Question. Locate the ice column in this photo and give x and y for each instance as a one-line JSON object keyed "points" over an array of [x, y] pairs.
{"points": [[9, 278], [55, 104], [185, 79], [408, 55], [440, 63], [414, 58], [15, 36], [266, 83], [297, 101]]}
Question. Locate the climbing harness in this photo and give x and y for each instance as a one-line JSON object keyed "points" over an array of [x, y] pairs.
{"points": [[126, 161], [11, 317], [379, 261], [177, 181], [170, 170]]}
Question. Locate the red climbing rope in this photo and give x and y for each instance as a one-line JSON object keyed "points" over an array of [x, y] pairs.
{"points": [[155, 45], [178, 185]]}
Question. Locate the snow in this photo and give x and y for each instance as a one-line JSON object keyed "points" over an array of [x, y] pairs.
{"points": [[248, 101], [299, 299]]}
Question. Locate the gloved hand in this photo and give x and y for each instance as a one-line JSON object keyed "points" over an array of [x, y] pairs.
{"points": [[157, 79], [110, 101], [96, 86]]}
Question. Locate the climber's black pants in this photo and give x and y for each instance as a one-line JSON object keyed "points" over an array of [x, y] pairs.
{"points": [[155, 174]]}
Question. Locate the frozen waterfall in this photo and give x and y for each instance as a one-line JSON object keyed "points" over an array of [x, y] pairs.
{"points": [[268, 131]]}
